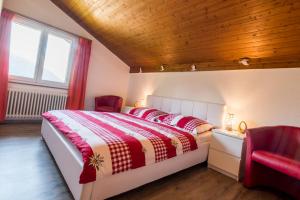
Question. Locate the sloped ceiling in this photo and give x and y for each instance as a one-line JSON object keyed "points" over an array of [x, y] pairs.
{"points": [[212, 34]]}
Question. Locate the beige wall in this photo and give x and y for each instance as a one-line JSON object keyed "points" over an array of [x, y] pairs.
{"points": [[261, 97], [107, 73]]}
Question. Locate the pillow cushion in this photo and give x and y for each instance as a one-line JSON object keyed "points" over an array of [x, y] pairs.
{"points": [[150, 114], [153, 115], [137, 111], [169, 119], [193, 125], [187, 123]]}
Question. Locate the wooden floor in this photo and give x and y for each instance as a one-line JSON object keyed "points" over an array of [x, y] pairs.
{"points": [[27, 171]]}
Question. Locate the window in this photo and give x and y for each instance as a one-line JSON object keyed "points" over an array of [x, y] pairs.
{"points": [[40, 54], [24, 47], [56, 59]]}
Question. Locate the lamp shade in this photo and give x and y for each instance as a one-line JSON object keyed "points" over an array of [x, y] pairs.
{"points": [[139, 103]]}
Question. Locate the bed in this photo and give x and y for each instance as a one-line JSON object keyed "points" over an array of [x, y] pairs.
{"points": [[70, 161]]}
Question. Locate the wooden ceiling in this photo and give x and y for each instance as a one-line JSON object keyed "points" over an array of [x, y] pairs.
{"points": [[212, 34]]}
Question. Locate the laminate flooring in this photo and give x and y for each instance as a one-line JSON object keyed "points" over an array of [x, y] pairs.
{"points": [[28, 172]]}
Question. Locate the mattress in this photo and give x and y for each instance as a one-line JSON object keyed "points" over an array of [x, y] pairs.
{"points": [[91, 134], [69, 161], [204, 138]]}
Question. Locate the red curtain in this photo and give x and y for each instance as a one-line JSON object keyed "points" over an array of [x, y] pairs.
{"points": [[77, 87], [5, 29]]}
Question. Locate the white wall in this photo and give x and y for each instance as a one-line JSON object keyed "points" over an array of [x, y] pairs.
{"points": [[107, 73], [261, 97], [1, 3]]}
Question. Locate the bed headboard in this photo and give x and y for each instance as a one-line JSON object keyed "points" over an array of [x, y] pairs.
{"points": [[211, 112]]}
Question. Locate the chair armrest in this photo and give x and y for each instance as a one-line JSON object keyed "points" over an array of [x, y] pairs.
{"points": [[118, 104]]}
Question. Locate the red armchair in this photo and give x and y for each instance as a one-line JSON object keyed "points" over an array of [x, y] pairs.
{"points": [[109, 103], [273, 159]]}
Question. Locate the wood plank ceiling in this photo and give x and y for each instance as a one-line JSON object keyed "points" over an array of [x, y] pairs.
{"points": [[212, 34]]}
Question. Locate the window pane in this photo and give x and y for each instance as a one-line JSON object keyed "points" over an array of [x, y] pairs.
{"points": [[56, 59], [24, 46]]}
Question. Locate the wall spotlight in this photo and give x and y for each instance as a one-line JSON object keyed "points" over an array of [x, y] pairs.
{"points": [[193, 68], [244, 61]]}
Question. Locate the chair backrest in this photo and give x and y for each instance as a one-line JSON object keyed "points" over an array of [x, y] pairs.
{"points": [[289, 143]]}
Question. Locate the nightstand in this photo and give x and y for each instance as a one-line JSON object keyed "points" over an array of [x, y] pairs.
{"points": [[225, 153]]}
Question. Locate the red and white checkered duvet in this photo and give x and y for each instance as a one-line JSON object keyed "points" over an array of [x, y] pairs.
{"points": [[111, 143]]}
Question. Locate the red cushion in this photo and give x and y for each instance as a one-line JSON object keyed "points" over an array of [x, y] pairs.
{"points": [[104, 109], [168, 118], [278, 162], [140, 111], [193, 125], [153, 115], [150, 114]]}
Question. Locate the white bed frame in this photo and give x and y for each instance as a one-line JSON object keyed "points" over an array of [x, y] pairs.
{"points": [[70, 163]]}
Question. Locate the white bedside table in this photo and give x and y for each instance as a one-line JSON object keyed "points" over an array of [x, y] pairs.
{"points": [[225, 152]]}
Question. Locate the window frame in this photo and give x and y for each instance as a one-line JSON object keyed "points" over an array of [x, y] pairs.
{"points": [[39, 66]]}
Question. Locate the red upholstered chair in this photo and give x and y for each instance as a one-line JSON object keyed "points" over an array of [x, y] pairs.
{"points": [[273, 159], [109, 103]]}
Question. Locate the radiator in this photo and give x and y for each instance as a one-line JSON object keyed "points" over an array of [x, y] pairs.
{"points": [[26, 104]]}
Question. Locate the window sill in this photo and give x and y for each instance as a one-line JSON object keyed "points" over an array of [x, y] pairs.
{"points": [[37, 84]]}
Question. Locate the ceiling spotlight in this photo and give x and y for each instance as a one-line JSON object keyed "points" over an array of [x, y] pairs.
{"points": [[193, 68], [244, 61]]}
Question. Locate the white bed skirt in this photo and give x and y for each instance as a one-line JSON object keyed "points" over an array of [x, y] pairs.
{"points": [[70, 164]]}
